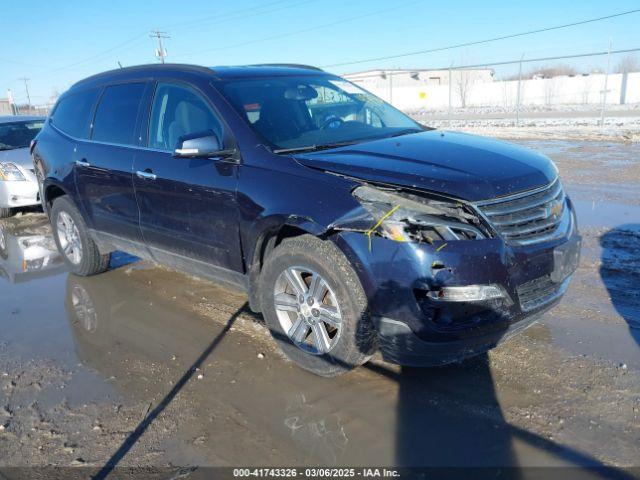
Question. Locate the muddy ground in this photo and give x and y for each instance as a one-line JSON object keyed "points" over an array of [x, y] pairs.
{"points": [[146, 366]]}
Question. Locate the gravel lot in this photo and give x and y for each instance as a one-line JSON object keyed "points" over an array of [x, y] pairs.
{"points": [[145, 366]]}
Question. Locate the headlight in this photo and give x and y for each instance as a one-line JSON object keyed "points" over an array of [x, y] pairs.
{"points": [[9, 172], [410, 218]]}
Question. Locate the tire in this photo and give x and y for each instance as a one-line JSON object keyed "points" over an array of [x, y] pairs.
{"points": [[351, 341], [83, 261], [5, 212]]}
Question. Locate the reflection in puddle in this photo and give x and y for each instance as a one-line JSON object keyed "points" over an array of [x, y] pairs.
{"points": [[27, 249], [83, 308]]}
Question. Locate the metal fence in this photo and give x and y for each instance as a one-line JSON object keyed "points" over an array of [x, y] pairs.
{"points": [[472, 91]]}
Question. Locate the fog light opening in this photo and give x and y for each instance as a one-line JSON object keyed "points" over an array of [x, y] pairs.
{"points": [[467, 293]]}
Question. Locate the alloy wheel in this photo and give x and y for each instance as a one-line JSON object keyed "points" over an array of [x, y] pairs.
{"points": [[69, 238], [308, 310]]}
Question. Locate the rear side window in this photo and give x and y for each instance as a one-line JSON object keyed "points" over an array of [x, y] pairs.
{"points": [[115, 120], [73, 113]]}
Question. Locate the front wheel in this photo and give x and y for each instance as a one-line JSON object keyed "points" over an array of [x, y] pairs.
{"points": [[75, 244], [315, 306]]}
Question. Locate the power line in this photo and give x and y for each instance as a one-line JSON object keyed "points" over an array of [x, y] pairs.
{"points": [[94, 57], [223, 16], [6, 60], [161, 53], [231, 17], [521, 60], [479, 42], [305, 30], [546, 59], [219, 19]]}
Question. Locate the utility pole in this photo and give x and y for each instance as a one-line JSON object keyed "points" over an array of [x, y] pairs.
{"points": [[26, 87], [12, 106], [606, 82], [518, 93], [161, 53]]}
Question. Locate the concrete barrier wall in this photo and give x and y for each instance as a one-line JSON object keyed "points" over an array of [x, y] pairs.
{"points": [[585, 90]]}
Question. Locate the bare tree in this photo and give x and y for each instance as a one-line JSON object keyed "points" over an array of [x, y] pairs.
{"points": [[552, 71], [463, 85], [628, 63]]}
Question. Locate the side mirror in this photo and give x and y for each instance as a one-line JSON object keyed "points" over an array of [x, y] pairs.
{"points": [[201, 145]]}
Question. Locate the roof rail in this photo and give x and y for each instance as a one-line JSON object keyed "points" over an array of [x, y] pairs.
{"points": [[290, 65], [142, 67]]}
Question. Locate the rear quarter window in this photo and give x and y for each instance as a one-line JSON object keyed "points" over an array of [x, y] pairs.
{"points": [[117, 114], [72, 115]]}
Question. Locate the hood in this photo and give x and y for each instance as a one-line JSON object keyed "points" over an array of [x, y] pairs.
{"points": [[18, 156], [459, 165]]}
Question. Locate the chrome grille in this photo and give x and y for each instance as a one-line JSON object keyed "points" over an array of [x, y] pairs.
{"points": [[529, 217], [540, 291]]}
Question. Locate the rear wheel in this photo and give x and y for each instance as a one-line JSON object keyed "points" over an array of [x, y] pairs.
{"points": [[315, 307], [75, 244], [5, 212]]}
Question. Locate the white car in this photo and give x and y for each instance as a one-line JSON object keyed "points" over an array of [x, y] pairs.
{"points": [[18, 183]]}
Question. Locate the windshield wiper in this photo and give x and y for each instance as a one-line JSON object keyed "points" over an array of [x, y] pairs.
{"points": [[406, 131], [314, 148]]}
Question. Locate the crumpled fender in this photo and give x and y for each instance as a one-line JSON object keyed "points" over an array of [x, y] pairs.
{"points": [[357, 220]]}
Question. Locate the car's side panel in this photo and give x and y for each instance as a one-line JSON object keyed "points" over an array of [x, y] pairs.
{"points": [[54, 160], [104, 180], [105, 187], [188, 207]]}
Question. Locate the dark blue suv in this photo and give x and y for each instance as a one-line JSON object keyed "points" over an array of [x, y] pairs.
{"points": [[352, 227]]}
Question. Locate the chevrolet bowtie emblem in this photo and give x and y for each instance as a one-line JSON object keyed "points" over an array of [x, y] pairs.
{"points": [[555, 210]]}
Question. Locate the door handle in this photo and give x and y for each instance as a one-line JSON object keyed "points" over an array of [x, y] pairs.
{"points": [[82, 163], [147, 174]]}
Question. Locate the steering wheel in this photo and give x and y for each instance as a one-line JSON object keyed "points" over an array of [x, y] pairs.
{"points": [[331, 120]]}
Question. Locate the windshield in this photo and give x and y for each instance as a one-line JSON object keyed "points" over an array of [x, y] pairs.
{"points": [[307, 112], [18, 134]]}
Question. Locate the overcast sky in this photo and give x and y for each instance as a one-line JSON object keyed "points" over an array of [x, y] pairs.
{"points": [[56, 43]]}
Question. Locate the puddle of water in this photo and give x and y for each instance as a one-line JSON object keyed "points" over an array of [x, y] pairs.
{"points": [[607, 214], [244, 403], [581, 336]]}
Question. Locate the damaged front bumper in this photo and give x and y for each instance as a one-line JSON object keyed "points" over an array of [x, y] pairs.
{"points": [[419, 325]]}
